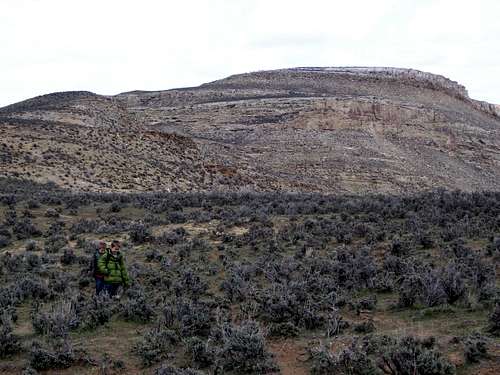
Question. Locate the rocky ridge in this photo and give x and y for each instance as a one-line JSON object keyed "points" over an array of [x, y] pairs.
{"points": [[347, 129]]}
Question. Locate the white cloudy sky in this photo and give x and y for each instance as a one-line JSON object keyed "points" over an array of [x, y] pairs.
{"points": [[111, 46]]}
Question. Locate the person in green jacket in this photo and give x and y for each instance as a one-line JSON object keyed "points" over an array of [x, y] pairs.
{"points": [[112, 266]]}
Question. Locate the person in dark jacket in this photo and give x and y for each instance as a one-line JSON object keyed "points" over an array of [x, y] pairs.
{"points": [[112, 266], [98, 276]]}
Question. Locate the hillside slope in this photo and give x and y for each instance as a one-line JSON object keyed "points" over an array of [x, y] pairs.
{"points": [[301, 129], [83, 141]]}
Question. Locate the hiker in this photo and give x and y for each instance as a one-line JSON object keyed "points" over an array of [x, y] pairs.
{"points": [[112, 266], [98, 276]]}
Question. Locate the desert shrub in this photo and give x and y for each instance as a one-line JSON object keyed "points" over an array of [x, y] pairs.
{"points": [[196, 245], [278, 304], [430, 287], [350, 361], [335, 324], [59, 283], [494, 321], [56, 321], [31, 245], [115, 207], [242, 349], [84, 226], [199, 245], [4, 241], [400, 247], [385, 282], [177, 217], [344, 237], [193, 318], [493, 248], [189, 283], [55, 243], [151, 219], [27, 214], [409, 290], [169, 370], [68, 256], [309, 316], [155, 345], [137, 307], [10, 218], [411, 356], [74, 202], [168, 315], [139, 233], [172, 237], [9, 200], [107, 365], [9, 343], [84, 281], [366, 303], [25, 229], [96, 311], [364, 327], [323, 361], [32, 286], [32, 204], [478, 271], [113, 224], [286, 329], [184, 251], [373, 344], [61, 355], [459, 249], [361, 230], [451, 233], [256, 233], [13, 262], [153, 255], [51, 212], [289, 303], [453, 283], [432, 293], [356, 270], [200, 351], [33, 261], [88, 246], [396, 265], [55, 228], [5, 231], [236, 286], [475, 348], [29, 371], [424, 239]]}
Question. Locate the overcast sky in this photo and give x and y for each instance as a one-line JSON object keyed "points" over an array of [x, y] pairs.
{"points": [[111, 46]]}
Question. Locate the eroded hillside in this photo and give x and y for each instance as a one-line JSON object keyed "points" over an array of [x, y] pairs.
{"points": [[307, 129], [84, 141]]}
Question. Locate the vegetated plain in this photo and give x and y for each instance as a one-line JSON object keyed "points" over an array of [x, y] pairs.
{"points": [[232, 283]]}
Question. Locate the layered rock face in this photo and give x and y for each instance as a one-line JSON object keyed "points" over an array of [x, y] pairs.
{"points": [[336, 129], [348, 129]]}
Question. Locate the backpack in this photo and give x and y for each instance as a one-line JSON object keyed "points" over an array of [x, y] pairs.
{"points": [[95, 260]]}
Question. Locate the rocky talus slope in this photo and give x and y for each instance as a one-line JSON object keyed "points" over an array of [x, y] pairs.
{"points": [[302, 129]]}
